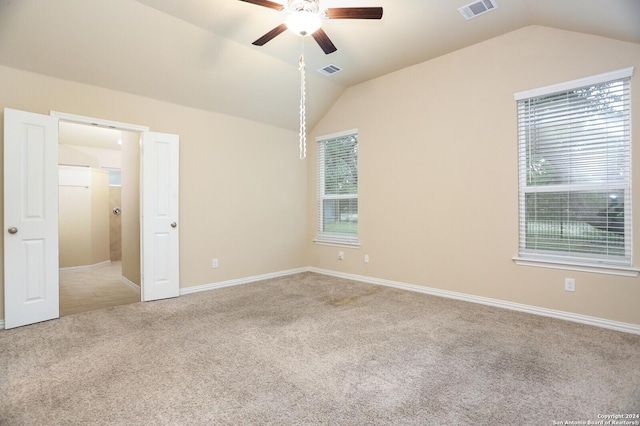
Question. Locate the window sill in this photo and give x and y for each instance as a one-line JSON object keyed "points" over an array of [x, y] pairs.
{"points": [[625, 271], [337, 243]]}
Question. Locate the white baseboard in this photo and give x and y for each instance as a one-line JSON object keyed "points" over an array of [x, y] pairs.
{"points": [[567, 316], [240, 281], [130, 283], [222, 284], [85, 267]]}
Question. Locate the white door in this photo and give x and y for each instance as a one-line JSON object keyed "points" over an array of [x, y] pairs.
{"points": [[31, 291], [160, 226]]}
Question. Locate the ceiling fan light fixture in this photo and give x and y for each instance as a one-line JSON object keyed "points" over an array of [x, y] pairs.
{"points": [[303, 23]]}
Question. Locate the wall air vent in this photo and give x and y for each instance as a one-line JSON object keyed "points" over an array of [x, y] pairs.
{"points": [[329, 69], [477, 8]]}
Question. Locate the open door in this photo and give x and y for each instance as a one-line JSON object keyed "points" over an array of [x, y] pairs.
{"points": [[160, 230], [31, 292], [31, 283]]}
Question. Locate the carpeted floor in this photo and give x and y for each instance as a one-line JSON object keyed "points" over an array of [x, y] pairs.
{"points": [[310, 349], [94, 288]]}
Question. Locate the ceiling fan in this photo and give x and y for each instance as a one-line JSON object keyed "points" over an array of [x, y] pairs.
{"points": [[305, 19]]}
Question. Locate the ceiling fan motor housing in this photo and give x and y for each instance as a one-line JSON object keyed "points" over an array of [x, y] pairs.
{"points": [[310, 6], [304, 19]]}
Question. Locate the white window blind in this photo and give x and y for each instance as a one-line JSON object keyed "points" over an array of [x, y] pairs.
{"points": [[338, 188], [575, 173]]}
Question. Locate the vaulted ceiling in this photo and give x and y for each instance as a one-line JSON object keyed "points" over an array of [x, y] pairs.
{"points": [[199, 53]]}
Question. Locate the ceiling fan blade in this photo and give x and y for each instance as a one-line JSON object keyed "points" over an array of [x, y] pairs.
{"points": [[270, 35], [354, 13], [266, 3], [323, 40]]}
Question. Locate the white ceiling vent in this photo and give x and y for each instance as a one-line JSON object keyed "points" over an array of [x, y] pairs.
{"points": [[329, 69], [477, 8]]}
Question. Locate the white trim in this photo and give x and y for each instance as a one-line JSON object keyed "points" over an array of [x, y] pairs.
{"points": [[130, 283], [331, 238], [337, 135], [85, 267], [574, 84], [336, 243], [532, 189], [81, 119], [567, 316], [222, 284], [563, 315], [623, 271], [240, 281]]}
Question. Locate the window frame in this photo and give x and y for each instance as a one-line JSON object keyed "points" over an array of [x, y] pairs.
{"points": [[557, 260], [333, 238]]}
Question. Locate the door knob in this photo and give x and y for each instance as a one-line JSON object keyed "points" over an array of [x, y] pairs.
{"points": [[13, 230], [173, 224]]}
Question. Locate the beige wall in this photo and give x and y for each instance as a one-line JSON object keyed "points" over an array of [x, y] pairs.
{"points": [[242, 185], [83, 216], [438, 173], [99, 216], [438, 182], [74, 216], [130, 197], [115, 224], [72, 156]]}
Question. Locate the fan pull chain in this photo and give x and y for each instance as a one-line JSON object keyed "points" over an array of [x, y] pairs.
{"points": [[303, 118]]}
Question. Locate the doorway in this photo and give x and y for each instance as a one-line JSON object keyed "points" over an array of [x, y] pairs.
{"points": [[31, 176], [99, 201]]}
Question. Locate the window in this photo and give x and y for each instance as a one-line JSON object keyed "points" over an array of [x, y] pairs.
{"points": [[575, 171], [338, 188], [115, 176]]}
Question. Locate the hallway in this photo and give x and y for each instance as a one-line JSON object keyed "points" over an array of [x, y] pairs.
{"points": [[91, 289]]}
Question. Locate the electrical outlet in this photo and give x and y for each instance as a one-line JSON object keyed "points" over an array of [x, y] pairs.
{"points": [[366, 258], [214, 263], [569, 284], [341, 255]]}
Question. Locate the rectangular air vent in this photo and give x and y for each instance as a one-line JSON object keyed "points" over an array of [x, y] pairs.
{"points": [[330, 69], [477, 8]]}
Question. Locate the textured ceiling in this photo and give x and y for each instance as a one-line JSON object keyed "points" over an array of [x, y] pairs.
{"points": [[199, 53]]}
